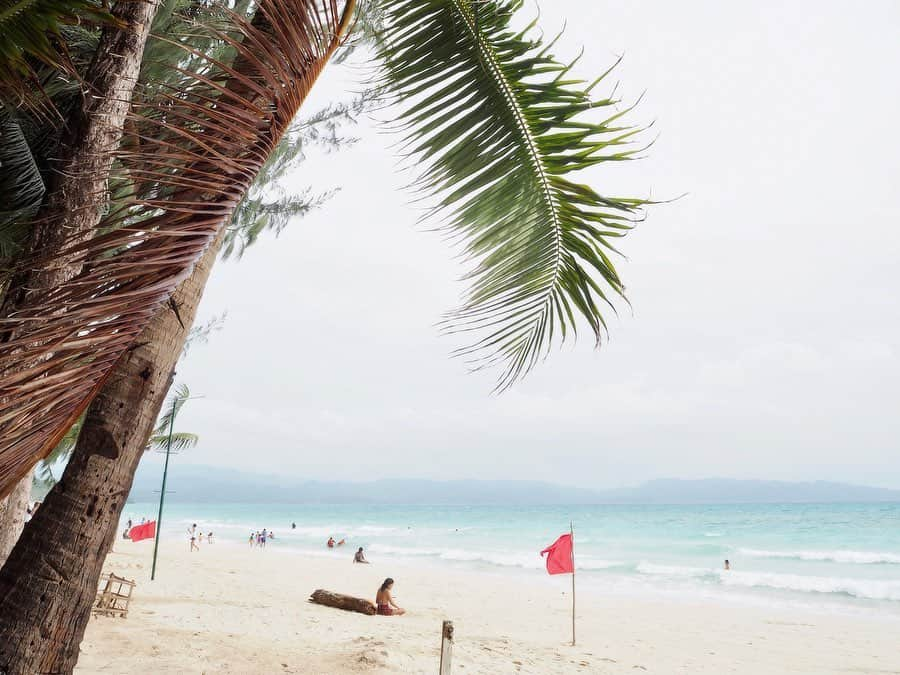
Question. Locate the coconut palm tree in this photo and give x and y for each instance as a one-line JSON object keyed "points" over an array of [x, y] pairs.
{"points": [[498, 126], [29, 140]]}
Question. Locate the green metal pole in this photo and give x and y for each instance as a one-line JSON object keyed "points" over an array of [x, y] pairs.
{"points": [[162, 492]]}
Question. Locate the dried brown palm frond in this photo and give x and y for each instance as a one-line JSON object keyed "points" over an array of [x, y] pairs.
{"points": [[190, 154]]}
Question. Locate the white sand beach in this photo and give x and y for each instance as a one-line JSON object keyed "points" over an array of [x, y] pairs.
{"points": [[230, 609]]}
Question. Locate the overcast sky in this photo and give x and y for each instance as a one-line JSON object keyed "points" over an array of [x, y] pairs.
{"points": [[763, 340]]}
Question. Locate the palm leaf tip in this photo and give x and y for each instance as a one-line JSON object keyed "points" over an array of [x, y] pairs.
{"points": [[498, 130]]}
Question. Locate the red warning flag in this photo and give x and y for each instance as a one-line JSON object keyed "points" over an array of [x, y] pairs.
{"points": [[145, 531], [559, 556]]}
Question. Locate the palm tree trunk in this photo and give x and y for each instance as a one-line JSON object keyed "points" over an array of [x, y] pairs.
{"points": [[49, 582], [12, 515]]}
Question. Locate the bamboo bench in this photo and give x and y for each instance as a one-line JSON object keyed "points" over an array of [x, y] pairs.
{"points": [[113, 596]]}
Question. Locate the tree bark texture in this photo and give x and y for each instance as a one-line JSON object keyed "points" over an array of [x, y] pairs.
{"points": [[341, 601], [50, 580], [12, 516]]}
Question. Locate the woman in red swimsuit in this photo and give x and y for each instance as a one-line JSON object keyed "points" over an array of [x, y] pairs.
{"points": [[384, 603]]}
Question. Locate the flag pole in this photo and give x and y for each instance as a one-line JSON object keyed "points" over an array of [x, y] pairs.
{"points": [[572, 534], [162, 492]]}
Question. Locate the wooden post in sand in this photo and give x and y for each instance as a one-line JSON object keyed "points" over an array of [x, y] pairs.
{"points": [[446, 647]]}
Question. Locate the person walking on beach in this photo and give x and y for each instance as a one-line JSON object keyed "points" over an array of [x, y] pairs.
{"points": [[359, 557], [209, 538], [252, 539], [384, 602], [727, 565], [194, 546]]}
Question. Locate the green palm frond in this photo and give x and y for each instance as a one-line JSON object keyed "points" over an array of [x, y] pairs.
{"points": [[180, 441], [44, 477], [173, 406], [32, 33], [21, 186], [496, 126]]}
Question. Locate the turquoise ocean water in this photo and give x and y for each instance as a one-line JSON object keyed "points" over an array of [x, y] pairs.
{"points": [[833, 557]]}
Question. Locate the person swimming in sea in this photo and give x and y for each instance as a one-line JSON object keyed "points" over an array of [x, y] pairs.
{"points": [[384, 602]]}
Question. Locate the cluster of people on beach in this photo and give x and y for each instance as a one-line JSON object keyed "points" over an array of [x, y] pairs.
{"points": [[260, 537], [126, 534], [197, 537]]}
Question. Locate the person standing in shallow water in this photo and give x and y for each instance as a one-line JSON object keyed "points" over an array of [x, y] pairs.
{"points": [[384, 602], [727, 565]]}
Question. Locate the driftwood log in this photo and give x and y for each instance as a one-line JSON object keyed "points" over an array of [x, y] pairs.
{"points": [[341, 601]]}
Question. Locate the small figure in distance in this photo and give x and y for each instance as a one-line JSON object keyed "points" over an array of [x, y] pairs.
{"points": [[200, 536], [359, 557], [384, 603], [194, 546], [252, 539], [727, 565], [330, 542], [209, 538], [342, 542], [293, 526]]}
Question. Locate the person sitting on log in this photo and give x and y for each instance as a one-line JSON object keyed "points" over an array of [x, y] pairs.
{"points": [[384, 603]]}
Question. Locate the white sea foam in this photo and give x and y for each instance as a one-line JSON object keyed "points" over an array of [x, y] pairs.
{"points": [[499, 558], [645, 567], [871, 589], [853, 557]]}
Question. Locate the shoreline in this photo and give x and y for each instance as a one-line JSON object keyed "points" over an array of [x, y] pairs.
{"points": [[230, 609], [611, 581]]}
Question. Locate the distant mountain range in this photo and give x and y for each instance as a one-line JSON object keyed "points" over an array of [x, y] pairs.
{"points": [[198, 484]]}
